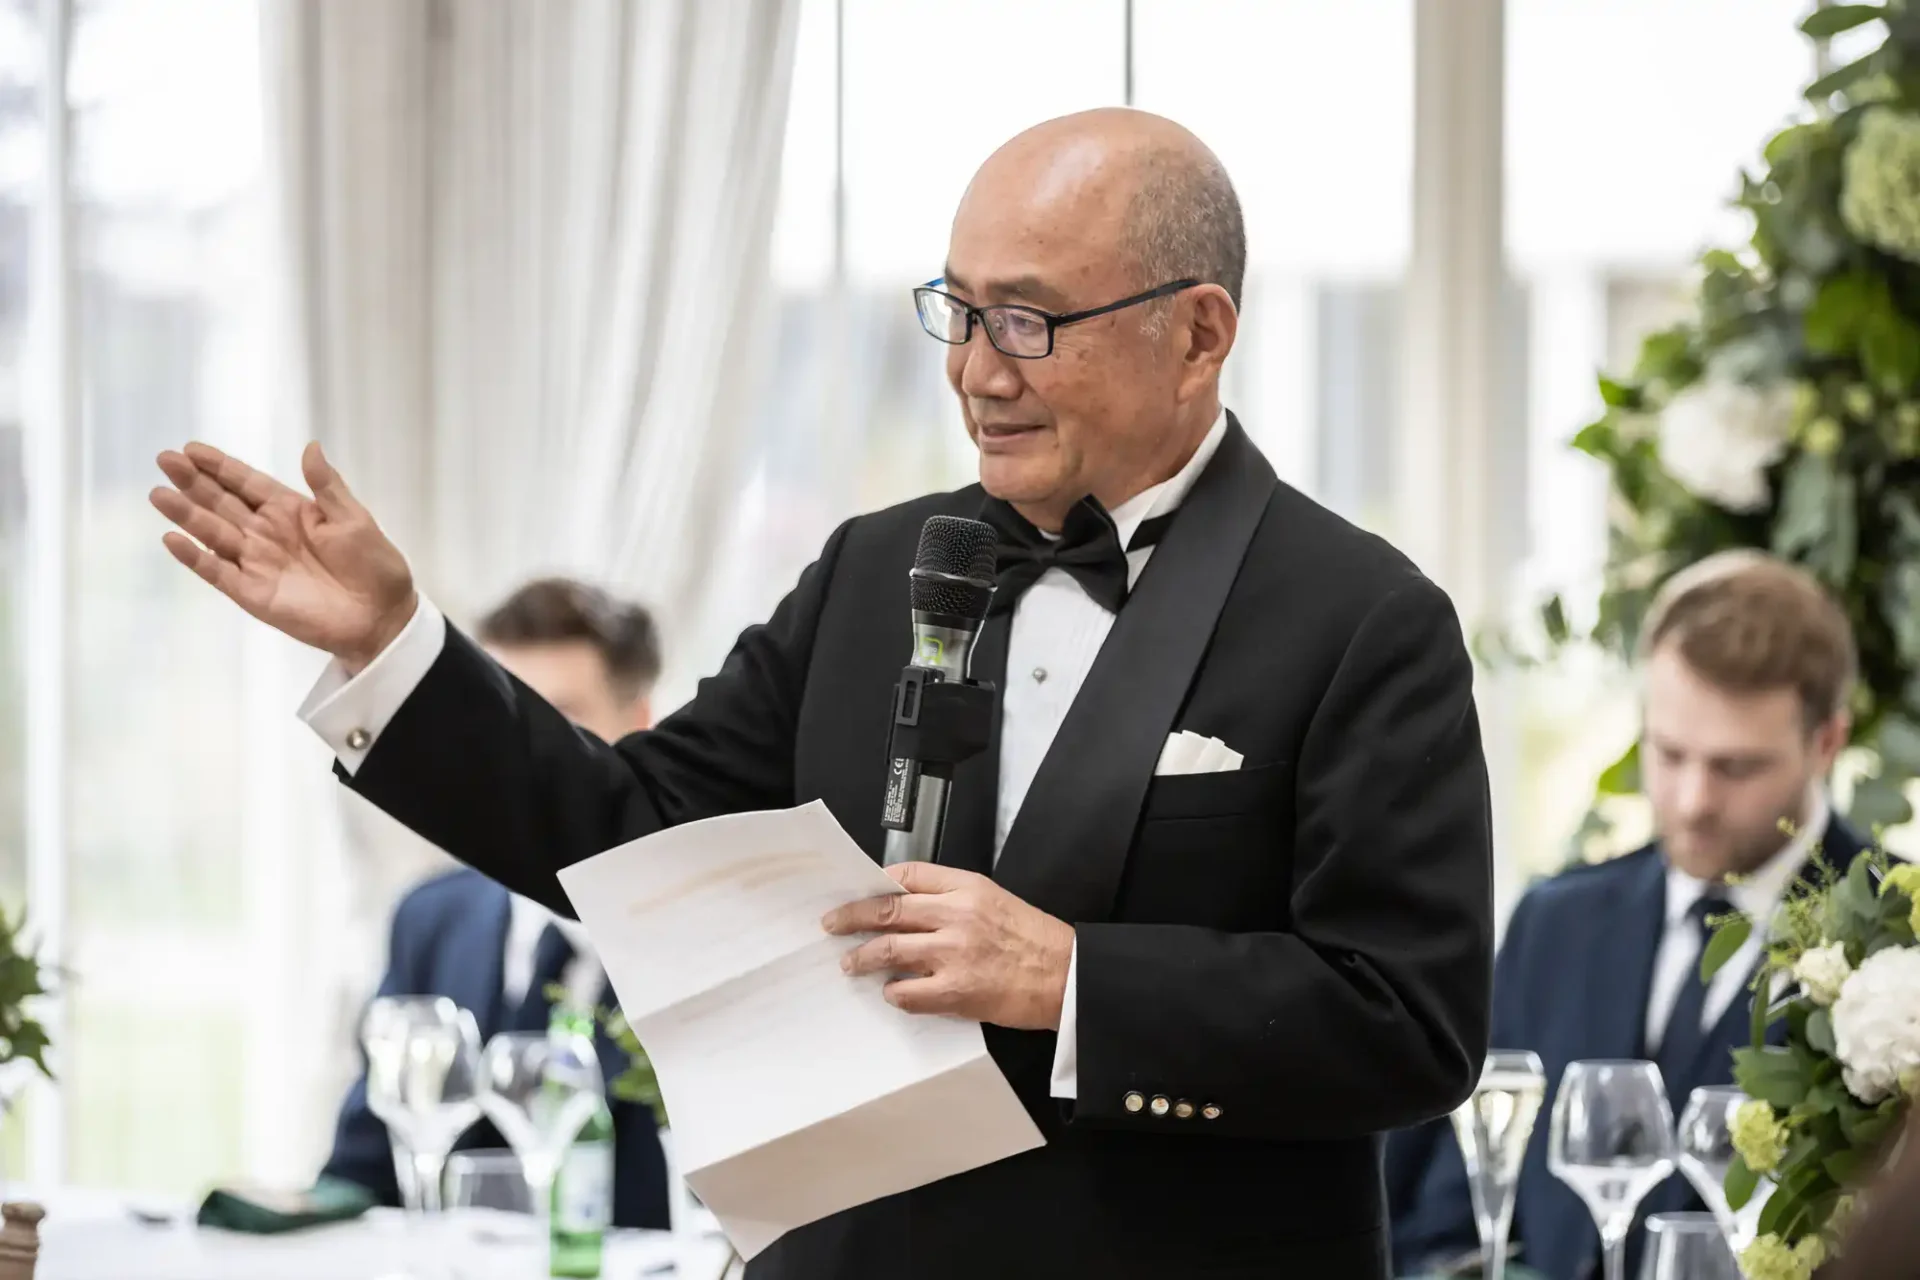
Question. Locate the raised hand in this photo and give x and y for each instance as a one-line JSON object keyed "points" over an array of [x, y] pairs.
{"points": [[318, 569]]}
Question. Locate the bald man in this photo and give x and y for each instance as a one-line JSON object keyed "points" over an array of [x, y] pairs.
{"points": [[1212, 990]]}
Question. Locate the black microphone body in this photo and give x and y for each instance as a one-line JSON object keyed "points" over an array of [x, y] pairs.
{"points": [[940, 717]]}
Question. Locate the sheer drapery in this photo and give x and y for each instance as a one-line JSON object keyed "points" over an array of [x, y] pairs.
{"points": [[522, 249]]}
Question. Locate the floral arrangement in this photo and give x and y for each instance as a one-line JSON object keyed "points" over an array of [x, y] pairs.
{"points": [[1843, 958], [1785, 413]]}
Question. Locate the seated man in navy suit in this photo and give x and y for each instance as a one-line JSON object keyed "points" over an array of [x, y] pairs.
{"points": [[462, 936], [1747, 667]]}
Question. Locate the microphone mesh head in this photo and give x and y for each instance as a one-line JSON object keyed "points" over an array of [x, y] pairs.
{"points": [[953, 568]]}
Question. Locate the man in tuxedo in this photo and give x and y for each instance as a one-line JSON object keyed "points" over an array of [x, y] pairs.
{"points": [[1747, 667], [1213, 991], [594, 659]]}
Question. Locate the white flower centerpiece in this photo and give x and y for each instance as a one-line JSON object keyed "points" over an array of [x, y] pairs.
{"points": [[1843, 972]]}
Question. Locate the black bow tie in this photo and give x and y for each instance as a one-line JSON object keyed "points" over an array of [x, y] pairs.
{"points": [[1088, 548]]}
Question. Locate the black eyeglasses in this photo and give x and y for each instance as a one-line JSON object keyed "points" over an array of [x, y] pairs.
{"points": [[1025, 333]]}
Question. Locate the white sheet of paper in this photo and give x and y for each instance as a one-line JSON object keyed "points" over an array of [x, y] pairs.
{"points": [[794, 1090]]}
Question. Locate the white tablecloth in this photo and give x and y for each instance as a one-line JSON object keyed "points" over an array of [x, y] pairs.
{"points": [[93, 1236]]}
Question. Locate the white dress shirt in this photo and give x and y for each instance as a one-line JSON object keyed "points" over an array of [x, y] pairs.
{"points": [[1056, 633], [527, 920], [1756, 896]]}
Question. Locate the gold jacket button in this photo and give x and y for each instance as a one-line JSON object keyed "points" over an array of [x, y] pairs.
{"points": [[1134, 1101], [358, 740], [1160, 1104], [1210, 1111], [1183, 1109]]}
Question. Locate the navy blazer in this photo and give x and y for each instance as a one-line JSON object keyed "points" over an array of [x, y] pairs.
{"points": [[1571, 982], [449, 939]]}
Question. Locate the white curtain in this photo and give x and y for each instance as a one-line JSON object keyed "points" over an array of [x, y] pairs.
{"points": [[523, 265]]}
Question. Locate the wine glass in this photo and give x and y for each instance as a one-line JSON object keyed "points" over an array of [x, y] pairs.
{"points": [[1687, 1246], [1706, 1147], [539, 1089], [1611, 1140], [1493, 1127], [423, 1058]]}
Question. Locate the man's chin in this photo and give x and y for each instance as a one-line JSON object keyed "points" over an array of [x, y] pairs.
{"points": [[1016, 483]]}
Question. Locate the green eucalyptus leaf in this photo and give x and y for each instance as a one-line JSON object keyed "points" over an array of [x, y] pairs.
{"points": [[1618, 395], [1824, 23], [1878, 802], [1775, 1076], [1741, 1182], [1805, 503], [1622, 777], [1727, 939], [1820, 1032], [1838, 80]]}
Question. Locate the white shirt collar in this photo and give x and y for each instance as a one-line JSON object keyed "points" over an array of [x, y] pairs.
{"points": [[1161, 498], [1756, 895]]}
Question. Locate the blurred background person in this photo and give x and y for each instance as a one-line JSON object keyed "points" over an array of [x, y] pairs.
{"points": [[1746, 670], [460, 935]]}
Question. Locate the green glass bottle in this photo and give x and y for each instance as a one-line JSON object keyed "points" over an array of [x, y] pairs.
{"points": [[583, 1187]]}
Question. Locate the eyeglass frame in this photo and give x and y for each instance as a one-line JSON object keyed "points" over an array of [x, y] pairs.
{"points": [[1053, 321]]}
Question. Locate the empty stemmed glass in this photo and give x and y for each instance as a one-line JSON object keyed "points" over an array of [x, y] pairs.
{"points": [[1494, 1126], [1611, 1140], [423, 1058], [540, 1088], [1706, 1149], [1687, 1246]]}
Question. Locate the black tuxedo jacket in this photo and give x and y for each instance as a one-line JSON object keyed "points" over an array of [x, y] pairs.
{"points": [[1301, 949]]}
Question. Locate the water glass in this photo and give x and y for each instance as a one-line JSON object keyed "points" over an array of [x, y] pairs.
{"points": [[539, 1088], [423, 1058], [490, 1179], [1494, 1126], [1611, 1140], [1687, 1246]]}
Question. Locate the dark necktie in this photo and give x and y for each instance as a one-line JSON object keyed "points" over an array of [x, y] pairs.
{"points": [[1088, 548], [1680, 1043], [550, 958]]}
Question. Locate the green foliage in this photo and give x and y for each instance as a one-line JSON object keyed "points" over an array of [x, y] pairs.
{"points": [[638, 1082], [1817, 309], [21, 980], [1835, 1139]]}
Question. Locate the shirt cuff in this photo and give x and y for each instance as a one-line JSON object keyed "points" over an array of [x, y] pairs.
{"points": [[1066, 1051], [350, 713]]}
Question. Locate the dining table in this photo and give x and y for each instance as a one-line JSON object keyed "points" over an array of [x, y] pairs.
{"points": [[89, 1234]]}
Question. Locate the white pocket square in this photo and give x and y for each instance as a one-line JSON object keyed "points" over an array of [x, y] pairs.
{"points": [[1187, 752]]}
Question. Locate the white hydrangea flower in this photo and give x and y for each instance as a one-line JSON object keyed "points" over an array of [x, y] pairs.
{"points": [[1717, 438], [1822, 971], [1876, 1023]]}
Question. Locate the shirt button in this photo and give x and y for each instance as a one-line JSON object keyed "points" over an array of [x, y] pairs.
{"points": [[359, 740], [1134, 1102], [1039, 675], [1210, 1111], [1183, 1109], [1160, 1104]]}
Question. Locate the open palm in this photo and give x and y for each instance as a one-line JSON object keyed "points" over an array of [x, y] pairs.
{"points": [[318, 569]]}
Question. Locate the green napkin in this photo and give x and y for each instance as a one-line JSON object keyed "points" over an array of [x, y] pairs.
{"points": [[260, 1211]]}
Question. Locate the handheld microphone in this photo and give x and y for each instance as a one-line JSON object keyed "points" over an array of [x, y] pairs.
{"points": [[940, 718]]}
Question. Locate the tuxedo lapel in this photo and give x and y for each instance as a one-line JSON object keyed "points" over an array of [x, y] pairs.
{"points": [[972, 806], [1069, 842]]}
